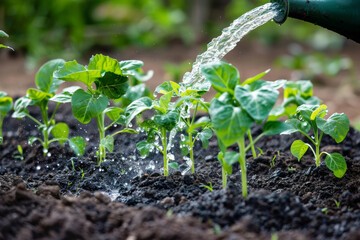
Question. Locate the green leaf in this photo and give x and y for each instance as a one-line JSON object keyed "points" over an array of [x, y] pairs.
{"points": [[164, 88], [4, 46], [61, 130], [255, 78], [134, 93], [77, 144], [85, 106], [37, 95], [297, 126], [229, 122], [223, 76], [128, 130], [319, 112], [44, 79], [275, 127], [20, 106], [337, 126], [231, 158], [130, 65], [225, 166], [108, 143], [257, 103], [105, 64], [306, 111], [299, 148], [113, 113], [65, 96], [168, 120], [72, 71], [204, 136], [144, 148], [174, 165], [136, 107], [201, 122], [164, 102], [32, 140], [336, 163], [3, 34], [5, 105], [111, 85]]}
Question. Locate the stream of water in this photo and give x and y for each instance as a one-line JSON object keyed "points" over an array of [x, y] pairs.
{"points": [[227, 41]]}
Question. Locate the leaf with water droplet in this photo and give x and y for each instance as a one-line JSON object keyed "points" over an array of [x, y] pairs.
{"points": [[174, 165], [144, 148], [108, 143], [78, 145], [204, 136], [61, 131]]}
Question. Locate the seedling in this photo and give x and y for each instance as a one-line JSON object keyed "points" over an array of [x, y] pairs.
{"points": [[337, 203], [82, 177], [47, 85], [312, 117], [21, 153], [236, 108], [106, 79], [208, 187], [261, 152], [272, 164], [291, 169], [296, 93], [189, 100], [6, 104], [325, 211]]}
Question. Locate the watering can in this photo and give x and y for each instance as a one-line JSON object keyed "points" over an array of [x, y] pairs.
{"points": [[341, 16]]}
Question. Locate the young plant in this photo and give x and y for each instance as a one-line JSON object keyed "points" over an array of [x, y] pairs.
{"points": [[208, 187], [237, 106], [47, 85], [106, 79], [189, 100], [6, 104], [311, 117], [296, 93]]}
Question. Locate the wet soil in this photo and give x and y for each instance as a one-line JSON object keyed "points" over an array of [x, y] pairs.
{"points": [[46, 197]]}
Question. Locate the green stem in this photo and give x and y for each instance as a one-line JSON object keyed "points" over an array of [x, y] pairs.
{"points": [[45, 132], [53, 114], [242, 162], [191, 145], [251, 144], [164, 143], [317, 145], [1, 123], [102, 150], [224, 177]]}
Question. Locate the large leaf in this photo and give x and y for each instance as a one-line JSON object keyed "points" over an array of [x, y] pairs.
{"points": [[275, 127], [168, 120], [85, 106], [257, 103], [299, 148], [112, 85], [336, 163], [229, 122], [61, 131], [72, 71], [337, 126], [5, 105], [108, 143], [78, 145], [44, 79], [136, 107], [105, 64], [297, 126], [223, 76]]}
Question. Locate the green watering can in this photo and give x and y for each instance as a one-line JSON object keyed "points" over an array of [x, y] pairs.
{"points": [[341, 16]]}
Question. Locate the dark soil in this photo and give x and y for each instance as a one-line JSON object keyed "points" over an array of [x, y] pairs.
{"points": [[45, 197]]}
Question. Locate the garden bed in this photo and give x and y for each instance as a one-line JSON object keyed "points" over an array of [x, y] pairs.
{"points": [[128, 198]]}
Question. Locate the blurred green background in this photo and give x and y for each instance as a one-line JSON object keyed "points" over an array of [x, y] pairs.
{"points": [[45, 29]]}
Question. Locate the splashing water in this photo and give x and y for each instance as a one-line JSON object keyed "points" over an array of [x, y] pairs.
{"points": [[230, 36]]}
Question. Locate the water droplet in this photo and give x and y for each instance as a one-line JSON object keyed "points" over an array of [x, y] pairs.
{"points": [[87, 139], [45, 151], [150, 166], [49, 155], [182, 137], [38, 168], [130, 125], [115, 125]]}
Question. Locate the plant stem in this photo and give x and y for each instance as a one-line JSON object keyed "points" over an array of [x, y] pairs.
{"points": [[317, 145], [45, 132], [251, 144], [224, 178], [102, 150], [164, 143], [1, 123], [242, 162], [192, 155]]}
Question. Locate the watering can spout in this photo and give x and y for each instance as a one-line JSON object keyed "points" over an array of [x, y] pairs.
{"points": [[341, 16]]}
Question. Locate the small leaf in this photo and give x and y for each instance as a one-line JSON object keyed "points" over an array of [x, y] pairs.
{"points": [[184, 150], [128, 130], [77, 144], [306, 111], [164, 88], [112, 85], [113, 113], [255, 78], [165, 100], [5, 105], [174, 165], [337, 126], [130, 65], [105, 64], [32, 140], [61, 130], [223, 76], [20, 107], [319, 112], [225, 166], [134, 93], [168, 120], [85, 106], [137, 107], [336, 163], [297, 126], [204, 136], [231, 158], [275, 127], [37, 95], [44, 79], [3, 34], [108, 143], [299, 148], [144, 148]]}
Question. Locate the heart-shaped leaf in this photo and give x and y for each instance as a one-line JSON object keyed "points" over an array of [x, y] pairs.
{"points": [[299, 148], [337, 126], [104, 64], [144, 148], [297, 126], [168, 120], [44, 79], [77, 144], [336, 163], [61, 131], [112, 85]]}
